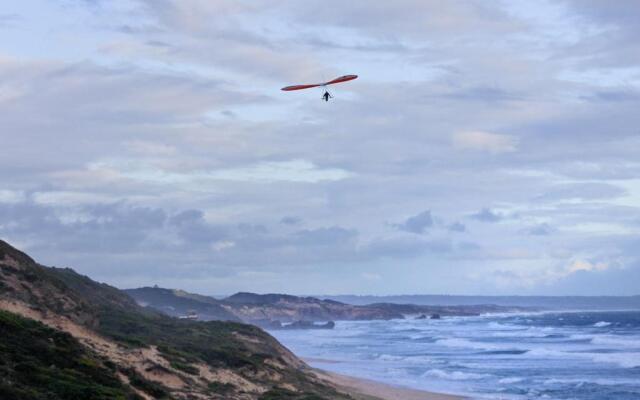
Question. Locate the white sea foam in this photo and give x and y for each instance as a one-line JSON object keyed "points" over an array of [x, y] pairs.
{"points": [[418, 336], [508, 381], [582, 381], [522, 333], [468, 344], [582, 337], [390, 357], [617, 341], [421, 360], [624, 360], [602, 324], [543, 352], [613, 341], [453, 375], [498, 325], [556, 381], [416, 360]]}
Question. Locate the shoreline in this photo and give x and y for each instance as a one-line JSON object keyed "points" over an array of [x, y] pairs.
{"points": [[366, 389]]}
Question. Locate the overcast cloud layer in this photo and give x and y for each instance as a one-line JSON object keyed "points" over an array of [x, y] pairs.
{"points": [[487, 147]]}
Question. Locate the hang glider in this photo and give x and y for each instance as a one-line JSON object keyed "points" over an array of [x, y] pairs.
{"points": [[326, 96]]}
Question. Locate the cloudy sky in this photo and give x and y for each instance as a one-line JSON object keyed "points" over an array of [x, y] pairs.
{"points": [[487, 147]]}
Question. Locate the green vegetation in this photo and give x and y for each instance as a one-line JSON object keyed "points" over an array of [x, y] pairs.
{"points": [[189, 369], [154, 389], [37, 362], [283, 394], [240, 347], [220, 388], [187, 342]]}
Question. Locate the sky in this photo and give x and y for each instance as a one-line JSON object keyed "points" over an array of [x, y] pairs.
{"points": [[487, 147]]}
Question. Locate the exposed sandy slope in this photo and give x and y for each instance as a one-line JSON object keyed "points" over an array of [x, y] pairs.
{"points": [[148, 362], [363, 389]]}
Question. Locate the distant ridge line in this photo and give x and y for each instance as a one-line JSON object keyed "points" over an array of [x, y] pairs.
{"points": [[603, 302]]}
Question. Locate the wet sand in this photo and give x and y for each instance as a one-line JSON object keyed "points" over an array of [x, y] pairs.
{"points": [[364, 389]]}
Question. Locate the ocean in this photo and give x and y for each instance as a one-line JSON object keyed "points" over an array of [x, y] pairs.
{"points": [[551, 355]]}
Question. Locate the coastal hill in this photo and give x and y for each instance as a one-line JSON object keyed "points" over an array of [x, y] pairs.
{"points": [[254, 308], [268, 310], [178, 303], [67, 336]]}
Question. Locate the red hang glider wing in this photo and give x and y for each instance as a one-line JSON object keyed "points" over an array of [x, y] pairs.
{"points": [[343, 78], [298, 87]]}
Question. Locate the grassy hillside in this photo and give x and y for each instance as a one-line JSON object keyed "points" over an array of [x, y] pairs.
{"points": [[250, 355], [37, 362]]}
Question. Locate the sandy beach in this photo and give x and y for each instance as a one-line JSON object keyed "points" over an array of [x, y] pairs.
{"points": [[364, 389]]}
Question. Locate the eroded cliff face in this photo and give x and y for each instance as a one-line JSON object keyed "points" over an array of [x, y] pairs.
{"points": [[151, 355]]}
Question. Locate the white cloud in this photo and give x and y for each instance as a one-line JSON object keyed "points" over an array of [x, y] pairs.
{"points": [[70, 198], [150, 148], [222, 244], [370, 276], [293, 171], [583, 265], [269, 171], [176, 106], [11, 196], [484, 141]]}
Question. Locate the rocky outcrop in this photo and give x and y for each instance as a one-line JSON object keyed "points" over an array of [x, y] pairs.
{"points": [[309, 325]]}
